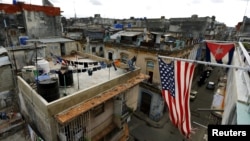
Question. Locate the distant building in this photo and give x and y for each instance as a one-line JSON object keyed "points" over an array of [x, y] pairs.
{"points": [[31, 21], [132, 42], [57, 45], [243, 29], [233, 93]]}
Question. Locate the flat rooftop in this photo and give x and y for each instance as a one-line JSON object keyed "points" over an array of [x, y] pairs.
{"points": [[86, 91], [77, 76]]}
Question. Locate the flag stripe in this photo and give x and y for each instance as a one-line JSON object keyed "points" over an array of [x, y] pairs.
{"points": [[176, 92], [219, 52]]}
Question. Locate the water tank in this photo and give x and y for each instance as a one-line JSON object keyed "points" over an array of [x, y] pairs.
{"points": [[116, 25], [129, 25], [43, 65], [121, 25], [28, 73], [14, 2], [49, 89], [22, 40], [65, 76]]}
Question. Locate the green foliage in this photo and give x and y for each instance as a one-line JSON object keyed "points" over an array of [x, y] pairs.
{"points": [[247, 46]]}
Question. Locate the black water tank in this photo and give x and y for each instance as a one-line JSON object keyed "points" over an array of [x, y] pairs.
{"points": [[65, 77], [49, 89]]}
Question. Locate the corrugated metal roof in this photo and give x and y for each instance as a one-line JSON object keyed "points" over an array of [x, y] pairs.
{"points": [[50, 40], [169, 35], [159, 33], [4, 61], [125, 33]]}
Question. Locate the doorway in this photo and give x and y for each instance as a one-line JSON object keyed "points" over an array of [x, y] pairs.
{"points": [[145, 103], [150, 80], [62, 48], [110, 56]]}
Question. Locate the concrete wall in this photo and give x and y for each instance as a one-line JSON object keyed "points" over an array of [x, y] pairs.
{"points": [[56, 49], [7, 78], [52, 48], [40, 113], [97, 48], [24, 56], [6, 99], [40, 25], [34, 108], [132, 97], [141, 60], [230, 97], [70, 46], [142, 57], [61, 104], [157, 104], [100, 122]]}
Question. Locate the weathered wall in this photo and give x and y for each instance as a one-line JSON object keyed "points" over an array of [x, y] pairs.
{"points": [[157, 104], [52, 48], [142, 57], [34, 108], [6, 74], [70, 46], [55, 48], [40, 25], [41, 114], [61, 104], [24, 56], [100, 122], [131, 97]]}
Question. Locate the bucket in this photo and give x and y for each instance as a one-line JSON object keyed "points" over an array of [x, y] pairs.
{"points": [[28, 73]]}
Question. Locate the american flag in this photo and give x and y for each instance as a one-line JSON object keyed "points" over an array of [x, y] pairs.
{"points": [[176, 79]]}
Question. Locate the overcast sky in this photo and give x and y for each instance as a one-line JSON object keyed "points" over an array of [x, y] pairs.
{"points": [[229, 12]]}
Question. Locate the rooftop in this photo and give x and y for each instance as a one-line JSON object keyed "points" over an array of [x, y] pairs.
{"points": [[81, 73], [87, 105], [50, 40], [80, 90]]}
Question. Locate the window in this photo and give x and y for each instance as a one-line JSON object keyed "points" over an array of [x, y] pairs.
{"points": [[101, 49], [150, 70], [150, 65], [98, 110], [110, 56], [93, 49]]}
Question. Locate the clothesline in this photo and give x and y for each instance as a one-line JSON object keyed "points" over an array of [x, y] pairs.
{"points": [[206, 63]]}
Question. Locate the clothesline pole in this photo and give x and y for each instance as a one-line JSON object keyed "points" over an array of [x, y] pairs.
{"points": [[77, 72], [205, 63], [109, 73]]}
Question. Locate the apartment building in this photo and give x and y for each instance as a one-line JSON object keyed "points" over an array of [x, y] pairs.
{"points": [[22, 21], [236, 93], [128, 44], [84, 100]]}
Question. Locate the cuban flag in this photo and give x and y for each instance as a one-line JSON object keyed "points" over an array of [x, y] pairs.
{"points": [[221, 53]]}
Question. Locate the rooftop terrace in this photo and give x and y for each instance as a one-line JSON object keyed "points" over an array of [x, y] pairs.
{"points": [[80, 73]]}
